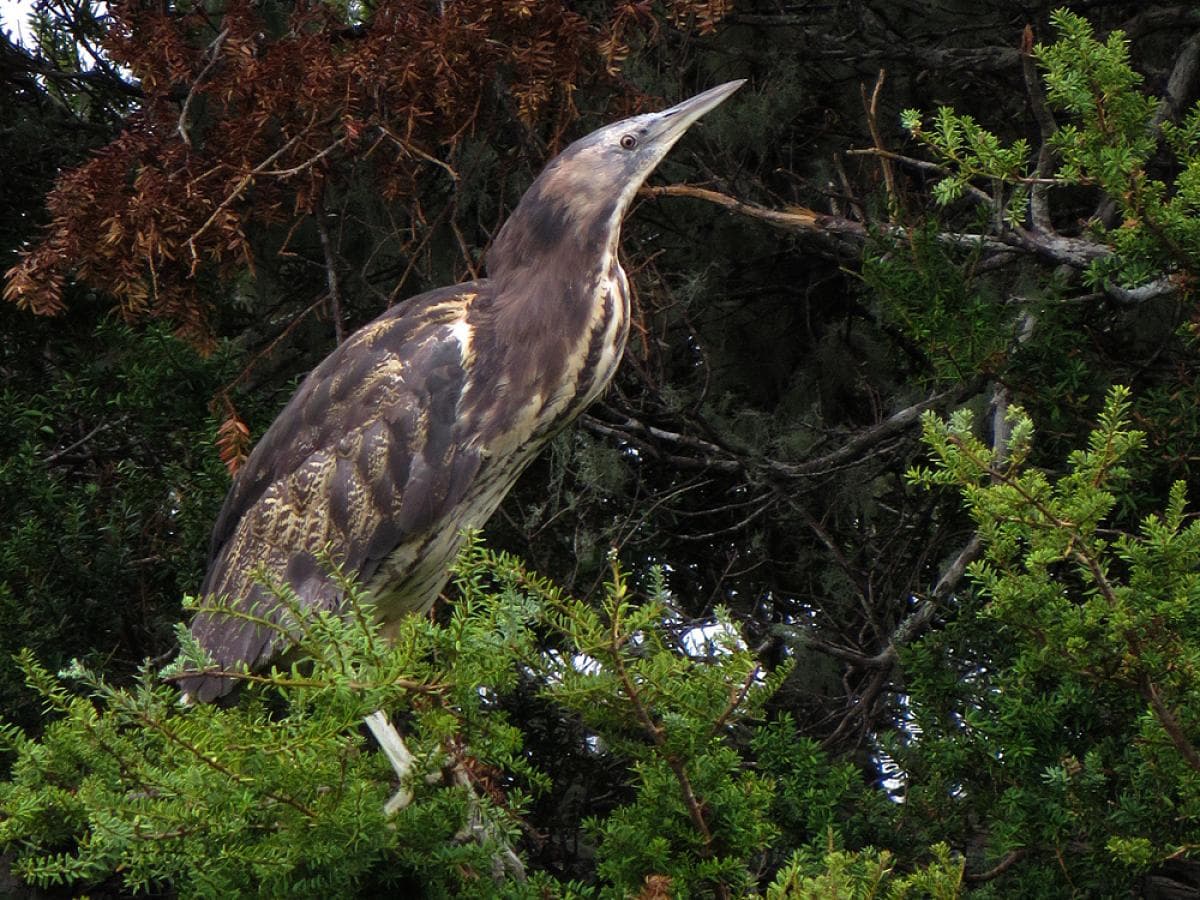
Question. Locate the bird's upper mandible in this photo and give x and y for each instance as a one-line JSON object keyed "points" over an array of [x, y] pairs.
{"points": [[416, 426]]}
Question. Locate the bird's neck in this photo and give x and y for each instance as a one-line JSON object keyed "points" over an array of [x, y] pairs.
{"points": [[557, 317], [554, 291], [563, 230]]}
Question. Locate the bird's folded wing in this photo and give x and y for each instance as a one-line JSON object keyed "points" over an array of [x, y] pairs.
{"points": [[366, 455]]}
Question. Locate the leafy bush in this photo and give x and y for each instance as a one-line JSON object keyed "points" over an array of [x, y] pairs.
{"points": [[283, 794]]}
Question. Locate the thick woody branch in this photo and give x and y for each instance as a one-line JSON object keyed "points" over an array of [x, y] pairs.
{"points": [[1049, 246], [1038, 201], [1183, 74], [1170, 723]]}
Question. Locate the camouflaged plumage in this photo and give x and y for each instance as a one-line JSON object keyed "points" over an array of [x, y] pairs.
{"points": [[417, 426]]}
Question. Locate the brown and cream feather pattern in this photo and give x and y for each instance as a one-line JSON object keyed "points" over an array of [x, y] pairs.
{"points": [[416, 427]]}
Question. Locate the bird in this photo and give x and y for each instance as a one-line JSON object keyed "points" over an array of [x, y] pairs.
{"points": [[416, 426]]}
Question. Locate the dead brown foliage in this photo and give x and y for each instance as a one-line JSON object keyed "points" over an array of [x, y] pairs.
{"points": [[246, 118]]}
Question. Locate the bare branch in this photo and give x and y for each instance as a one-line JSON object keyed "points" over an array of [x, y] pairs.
{"points": [[331, 270], [922, 165], [308, 163], [1039, 209], [103, 426], [728, 459], [1056, 248], [999, 869], [872, 110], [1165, 286], [237, 191], [214, 50]]}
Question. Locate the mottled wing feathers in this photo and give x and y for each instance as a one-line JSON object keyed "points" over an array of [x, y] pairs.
{"points": [[366, 454]]}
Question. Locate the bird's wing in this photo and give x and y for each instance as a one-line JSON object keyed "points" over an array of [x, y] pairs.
{"points": [[365, 453]]}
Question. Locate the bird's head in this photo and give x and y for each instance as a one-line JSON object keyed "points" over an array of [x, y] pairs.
{"points": [[582, 194]]}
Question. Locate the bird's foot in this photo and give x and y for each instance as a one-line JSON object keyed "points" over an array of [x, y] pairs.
{"points": [[478, 827]]}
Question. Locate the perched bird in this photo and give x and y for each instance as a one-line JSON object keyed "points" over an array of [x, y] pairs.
{"points": [[417, 425]]}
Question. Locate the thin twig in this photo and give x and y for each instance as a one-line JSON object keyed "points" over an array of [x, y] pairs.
{"points": [[872, 110], [270, 348], [409, 147], [331, 269], [103, 426], [308, 163], [722, 459], [847, 190], [237, 191], [214, 50]]}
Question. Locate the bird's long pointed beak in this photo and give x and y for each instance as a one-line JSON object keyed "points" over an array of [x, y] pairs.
{"points": [[670, 124]]}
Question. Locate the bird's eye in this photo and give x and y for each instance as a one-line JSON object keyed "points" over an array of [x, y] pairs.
{"points": [[628, 141]]}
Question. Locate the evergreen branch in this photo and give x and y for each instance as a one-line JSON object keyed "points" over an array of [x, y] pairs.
{"points": [[1080, 549], [416, 687], [655, 731], [1169, 721], [211, 761]]}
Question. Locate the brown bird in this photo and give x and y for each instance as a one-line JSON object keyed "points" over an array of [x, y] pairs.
{"points": [[415, 427]]}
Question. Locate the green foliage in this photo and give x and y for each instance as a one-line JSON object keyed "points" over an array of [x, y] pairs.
{"points": [[1110, 138], [1089, 723], [1108, 141], [928, 291], [282, 795], [969, 150], [866, 875], [109, 487]]}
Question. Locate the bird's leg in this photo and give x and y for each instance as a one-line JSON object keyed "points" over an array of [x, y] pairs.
{"points": [[478, 827], [397, 754]]}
